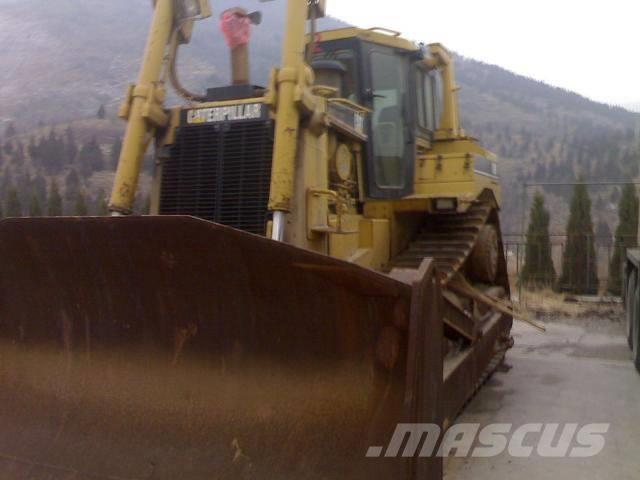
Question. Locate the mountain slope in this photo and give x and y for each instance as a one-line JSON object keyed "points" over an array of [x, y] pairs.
{"points": [[634, 107], [60, 60], [547, 134], [530, 101]]}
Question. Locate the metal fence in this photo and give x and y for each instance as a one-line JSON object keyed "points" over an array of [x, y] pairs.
{"points": [[604, 246]]}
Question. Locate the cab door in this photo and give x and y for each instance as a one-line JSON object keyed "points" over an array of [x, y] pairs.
{"points": [[391, 147]]}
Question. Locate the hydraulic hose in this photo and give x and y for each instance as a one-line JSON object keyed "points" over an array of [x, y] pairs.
{"points": [[175, 80]]}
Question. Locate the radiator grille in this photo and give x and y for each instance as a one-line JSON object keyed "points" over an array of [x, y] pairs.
{"points": [[220, 173]]}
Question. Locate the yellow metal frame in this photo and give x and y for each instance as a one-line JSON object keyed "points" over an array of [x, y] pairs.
{"points": [[141, 107], [320, 216], [375, 35]]}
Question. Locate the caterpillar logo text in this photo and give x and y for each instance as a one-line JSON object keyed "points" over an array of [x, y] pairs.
{"points": [[229, 113]]}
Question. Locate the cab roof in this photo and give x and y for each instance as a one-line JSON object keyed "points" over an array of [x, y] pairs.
{"points": [[380, 36]]}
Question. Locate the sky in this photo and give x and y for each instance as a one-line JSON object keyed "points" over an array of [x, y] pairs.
{"points": [[591, 47]]}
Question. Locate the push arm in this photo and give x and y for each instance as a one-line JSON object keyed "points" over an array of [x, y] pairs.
{"points": [[143, 106]]}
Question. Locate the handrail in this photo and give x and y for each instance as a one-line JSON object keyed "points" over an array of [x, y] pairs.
{"points": [[349, 103]]}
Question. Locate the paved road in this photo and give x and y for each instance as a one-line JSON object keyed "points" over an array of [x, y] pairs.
{"points": [[569, 374]]}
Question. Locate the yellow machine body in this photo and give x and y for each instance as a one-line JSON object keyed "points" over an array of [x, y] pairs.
{"points": [[322, 215], [322, 263]]}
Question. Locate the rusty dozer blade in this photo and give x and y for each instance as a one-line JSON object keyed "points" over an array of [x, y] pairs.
{"points": [[172, 347]]}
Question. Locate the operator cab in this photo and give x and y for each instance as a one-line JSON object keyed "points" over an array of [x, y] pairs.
{"points": [[392, 81]]}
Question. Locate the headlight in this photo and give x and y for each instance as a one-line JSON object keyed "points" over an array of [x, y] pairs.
{"points": [[445, 204]]}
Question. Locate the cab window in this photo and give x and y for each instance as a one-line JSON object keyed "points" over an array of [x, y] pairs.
{"points": [[426, 109], [347, 58], [389, 127]]}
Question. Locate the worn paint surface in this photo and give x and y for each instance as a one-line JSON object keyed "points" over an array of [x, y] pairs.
{"points": [[171, 347]]}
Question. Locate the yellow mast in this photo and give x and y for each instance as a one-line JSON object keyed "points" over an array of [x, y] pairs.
{"points": [[287, 114], [449, 121], [142, 109]]}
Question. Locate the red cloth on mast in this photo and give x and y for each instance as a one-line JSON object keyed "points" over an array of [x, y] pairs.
{"points": [[236, 29]]}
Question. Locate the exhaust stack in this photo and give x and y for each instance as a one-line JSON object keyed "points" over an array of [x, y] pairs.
{"points": [[235, 24]]}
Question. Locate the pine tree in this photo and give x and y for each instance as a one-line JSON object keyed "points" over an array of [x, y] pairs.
{"points": [[54, 202], [24, 184], [52, 153], [538, 270], [91, 158], [39, 186], [626, 236], [10, 131], [579, 273], [14, 208], [146, 208], [70, 147], [6, 181], [18, 154], [35, 209], [71, 185], [102, 112], [32, 148], [137, 203], [116, 148], [102, 207], [81, 205]]}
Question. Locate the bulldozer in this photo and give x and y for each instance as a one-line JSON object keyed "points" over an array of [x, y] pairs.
{"points": [[323, 262]]}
